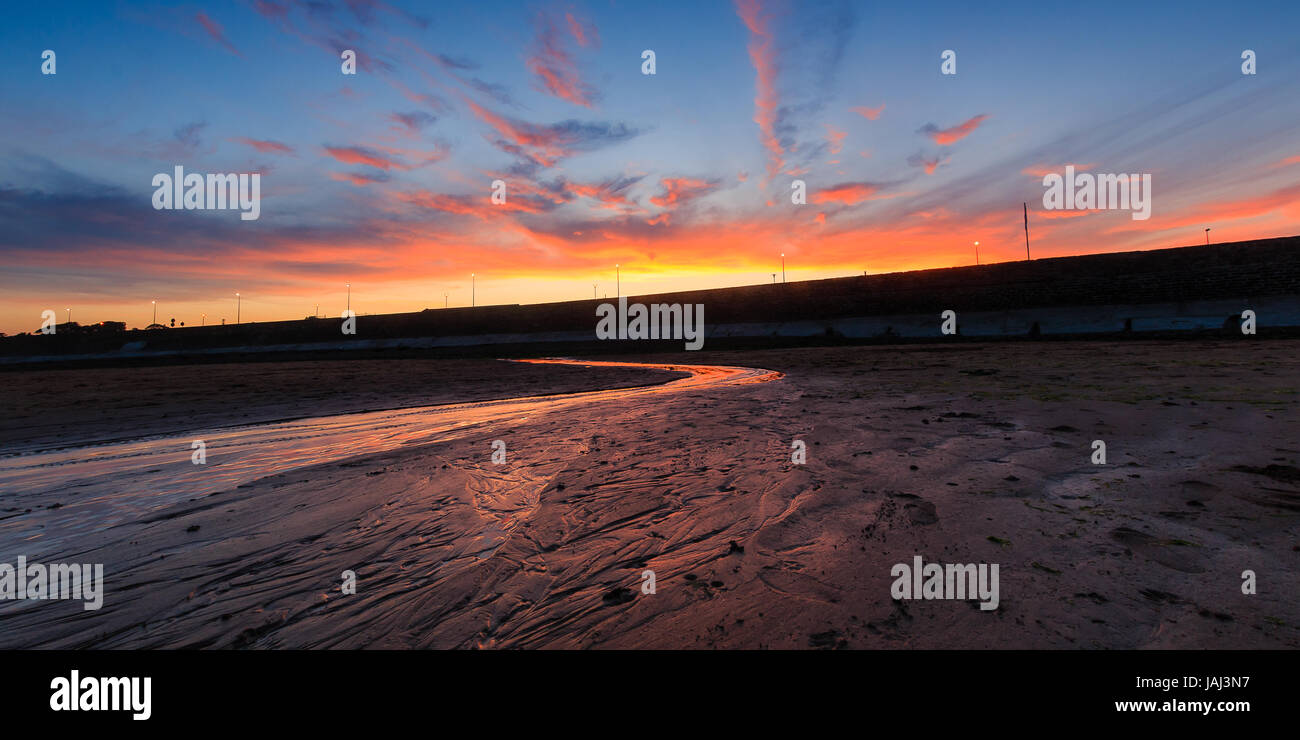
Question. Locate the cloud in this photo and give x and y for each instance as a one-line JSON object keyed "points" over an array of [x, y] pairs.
{"points": [[1040, 170], [947, 136], [762, 54], [553, 64], [479, 206], [216, 32], [871, 114], [583, 33], [609, 195], [360, 155], [361, 179], [835, 138], [546, 144], [414, 121], [930, 162], [385, 157], [677, 191], [847, 193], [266, 146]]}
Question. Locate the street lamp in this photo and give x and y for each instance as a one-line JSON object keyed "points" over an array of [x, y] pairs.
{"points": [[473, 290], [783, 267], [203, 319], [349, 296], [238, 304], [977, 253], [1207, 237], [69, 315], [444, 300]]}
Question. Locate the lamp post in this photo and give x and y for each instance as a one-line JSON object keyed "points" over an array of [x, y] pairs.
{"points": [[155, 312], [473, 290], [238, 304], [349, 296], [783, 267], [444, 300], [69, 315], [203, 319], [774, 278], [1207, 237], [977, 253]]}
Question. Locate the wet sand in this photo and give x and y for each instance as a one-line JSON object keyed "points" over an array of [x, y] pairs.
{"points": [[974, 453]]}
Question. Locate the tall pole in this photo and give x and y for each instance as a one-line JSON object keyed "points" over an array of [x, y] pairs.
{"points": [[69, 315], [783, 267], [1207, 237], [238, 304], [977, 253], [1027, 257], [593, 291], [473, 289], [444, 300], [203, 319], [349, 296], [155, 312]]}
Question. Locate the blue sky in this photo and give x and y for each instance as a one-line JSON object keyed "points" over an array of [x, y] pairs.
{"points": [[382, 179]]}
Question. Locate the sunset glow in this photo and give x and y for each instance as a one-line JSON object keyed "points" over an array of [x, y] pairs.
{"points": [[384, 179]]}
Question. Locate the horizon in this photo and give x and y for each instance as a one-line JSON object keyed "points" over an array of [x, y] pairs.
{"points": [[383, 180], [614, 299]]}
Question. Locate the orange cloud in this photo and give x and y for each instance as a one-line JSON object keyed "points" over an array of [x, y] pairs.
{"points": [[946, 136], [849, 193], [680, 190], [360, 155]]}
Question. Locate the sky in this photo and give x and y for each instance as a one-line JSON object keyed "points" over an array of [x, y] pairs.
{"points": [[383, 180]]}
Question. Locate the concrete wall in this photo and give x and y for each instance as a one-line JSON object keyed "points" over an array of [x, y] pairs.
{"points": [[1177, 289]]}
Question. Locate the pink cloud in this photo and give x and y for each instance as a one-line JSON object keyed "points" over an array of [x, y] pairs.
{"points": [[265, 146], [835, 138], [870, 114], [762, 55], [555, 67], [216, 32]]}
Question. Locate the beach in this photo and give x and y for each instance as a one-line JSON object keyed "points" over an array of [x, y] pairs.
{"points": [[977, 453]]}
